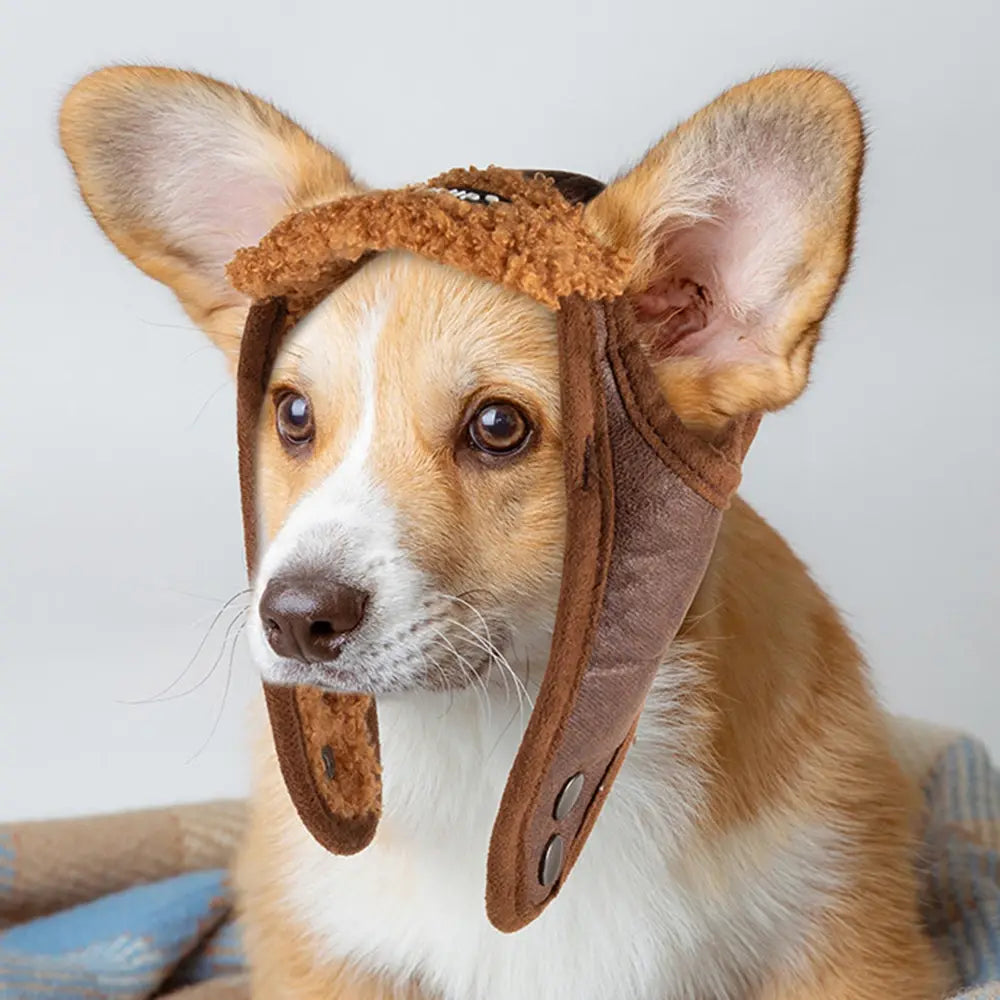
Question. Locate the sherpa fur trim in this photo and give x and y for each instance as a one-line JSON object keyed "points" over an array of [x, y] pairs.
{"points": [[530, 239]]}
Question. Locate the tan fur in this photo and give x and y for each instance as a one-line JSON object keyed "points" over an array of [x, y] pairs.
{"points": [[795, 724], [789, 723]]}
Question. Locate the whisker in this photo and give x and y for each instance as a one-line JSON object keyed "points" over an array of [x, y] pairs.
{"points": [[239, 618], [469, 672], [497, 657], [463, 664], [197, 652], [204, 406], [189, 327], [481, 644], [476, 612], [491, 647], [225, 696], [200, 597], [491, 594], [503, 732], [465, 675]]}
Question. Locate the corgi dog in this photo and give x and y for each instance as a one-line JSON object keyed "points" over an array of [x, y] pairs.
{"points": [[759, 841]]}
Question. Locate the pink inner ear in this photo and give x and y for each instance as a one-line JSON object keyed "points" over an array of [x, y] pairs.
{"points": [[720, 282], [220, 208], [677, 307], [684, 310], [208, 177]]}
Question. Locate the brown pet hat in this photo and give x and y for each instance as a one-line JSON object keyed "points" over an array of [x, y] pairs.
{"points": [[644, 502]]}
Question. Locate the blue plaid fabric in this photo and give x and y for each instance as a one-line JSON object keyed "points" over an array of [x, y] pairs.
{"points": [[962, 792], [166, 935], [123, 946]]}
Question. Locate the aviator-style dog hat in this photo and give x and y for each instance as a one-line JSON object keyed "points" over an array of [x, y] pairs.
{"points": [[645, 497]]}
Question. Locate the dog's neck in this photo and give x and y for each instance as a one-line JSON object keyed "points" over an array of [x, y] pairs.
{"points": [[447, 755]]}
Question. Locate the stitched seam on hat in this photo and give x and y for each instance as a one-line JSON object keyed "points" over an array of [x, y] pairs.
{"points": [[707, 489], [602, 568]]}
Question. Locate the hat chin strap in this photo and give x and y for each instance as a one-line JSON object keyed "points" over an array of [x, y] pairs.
{"points": [[327, 743], [645, 498]]}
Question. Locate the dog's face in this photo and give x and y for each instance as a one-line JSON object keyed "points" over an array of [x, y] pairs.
{"points": [[410, 485], [410, 472]]}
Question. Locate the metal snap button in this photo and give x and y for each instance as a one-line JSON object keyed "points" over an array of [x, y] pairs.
{"points": [[552, 861], [329, 762], [568, 797]]}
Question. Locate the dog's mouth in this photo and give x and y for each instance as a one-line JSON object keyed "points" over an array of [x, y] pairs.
{"points": [[452, 644]]}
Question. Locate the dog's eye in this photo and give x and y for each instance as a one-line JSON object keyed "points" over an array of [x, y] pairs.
{"points": [[294, 419], [499, 428]]}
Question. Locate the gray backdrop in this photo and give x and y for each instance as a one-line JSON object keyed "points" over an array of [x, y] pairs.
{"points": [[119, 530]]}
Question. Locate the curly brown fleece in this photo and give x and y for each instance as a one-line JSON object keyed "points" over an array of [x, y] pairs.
{"points": [[534, 242]]}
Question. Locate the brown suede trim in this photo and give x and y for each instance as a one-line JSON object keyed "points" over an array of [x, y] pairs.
{"points": [[535, 242], [644, 500], [511, 878], [327, 744], [262, 333], [711, 469], [341, 823]]}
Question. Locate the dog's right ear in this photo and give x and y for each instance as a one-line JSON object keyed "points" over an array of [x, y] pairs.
{"points": [[180, 171]]}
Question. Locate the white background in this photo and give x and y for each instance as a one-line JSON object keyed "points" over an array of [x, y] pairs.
{"points": [[119, 528]]}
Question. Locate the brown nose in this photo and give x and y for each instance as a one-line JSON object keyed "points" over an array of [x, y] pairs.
{"points": [[306, 618]]}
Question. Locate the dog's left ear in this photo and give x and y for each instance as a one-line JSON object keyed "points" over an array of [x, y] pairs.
{"points": [[741, 222]]}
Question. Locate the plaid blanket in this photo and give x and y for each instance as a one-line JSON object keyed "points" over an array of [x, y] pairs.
{"points": [[124, 907], [138, 905]]}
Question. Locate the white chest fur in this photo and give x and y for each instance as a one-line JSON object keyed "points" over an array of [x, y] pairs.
{"points": [[651, 912]]}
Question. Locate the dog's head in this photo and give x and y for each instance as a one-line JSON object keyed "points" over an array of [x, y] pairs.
{"points": [[411, 478]]}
